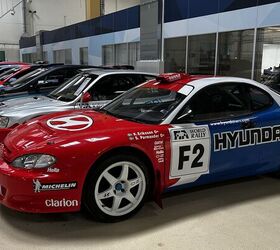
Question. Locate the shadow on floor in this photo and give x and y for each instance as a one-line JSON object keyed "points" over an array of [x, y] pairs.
{"points": [[177, 206]]}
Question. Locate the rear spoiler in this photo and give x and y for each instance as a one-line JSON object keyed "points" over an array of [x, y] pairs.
{"points": [[3, 133]]}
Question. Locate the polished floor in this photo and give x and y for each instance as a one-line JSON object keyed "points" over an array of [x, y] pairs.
{"points": [[243, 214]]}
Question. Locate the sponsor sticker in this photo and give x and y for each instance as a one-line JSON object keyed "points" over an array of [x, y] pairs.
{"points": [[70, 123], [61, 203], [41, 187], [246, 137]]}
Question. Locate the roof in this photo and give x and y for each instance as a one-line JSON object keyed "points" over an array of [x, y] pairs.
{"points": [[98, 71], [175, 81]]}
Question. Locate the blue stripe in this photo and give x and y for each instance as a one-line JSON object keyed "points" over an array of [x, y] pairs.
{"points": [[183, 9]]}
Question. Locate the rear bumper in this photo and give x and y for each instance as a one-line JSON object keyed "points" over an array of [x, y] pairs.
{"points": [[18, 191]]}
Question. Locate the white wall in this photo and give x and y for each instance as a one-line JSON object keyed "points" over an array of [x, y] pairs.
{"points": [[116, 5], [11, 27], [53, 14]]}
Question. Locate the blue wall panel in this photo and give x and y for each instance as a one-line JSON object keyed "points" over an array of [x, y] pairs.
{"points": [[202, 7]]}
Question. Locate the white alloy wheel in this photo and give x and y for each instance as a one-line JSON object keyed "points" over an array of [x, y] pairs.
{"points": [[120, 188]]}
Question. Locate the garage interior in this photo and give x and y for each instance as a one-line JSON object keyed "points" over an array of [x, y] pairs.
{"points": [[199, 37]]}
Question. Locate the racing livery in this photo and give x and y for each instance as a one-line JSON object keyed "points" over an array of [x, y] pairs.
{"points": [[175, 131]]}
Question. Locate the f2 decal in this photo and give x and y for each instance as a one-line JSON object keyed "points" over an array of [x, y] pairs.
{"points": [[190, 151]]}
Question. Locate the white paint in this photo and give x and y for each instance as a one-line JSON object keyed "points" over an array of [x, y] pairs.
{"points": [[70, 123], [53, 14]]}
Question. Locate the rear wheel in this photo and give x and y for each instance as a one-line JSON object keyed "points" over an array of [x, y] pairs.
{"points": [[117, 188]]}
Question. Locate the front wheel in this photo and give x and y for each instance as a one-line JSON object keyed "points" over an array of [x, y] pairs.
{"points": [[117, 188]]}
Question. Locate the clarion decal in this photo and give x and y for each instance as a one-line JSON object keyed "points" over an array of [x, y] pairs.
{"points": [[245, 138], [61, 203]]}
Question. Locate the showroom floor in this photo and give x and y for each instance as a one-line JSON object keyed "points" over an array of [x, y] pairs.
{"points": [[243, 214]]}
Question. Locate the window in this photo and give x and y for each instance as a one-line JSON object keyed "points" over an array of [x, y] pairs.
{"points": [[133, 53], [111, 86], [201, 54], [148, 105], [175, 54], [259, 99], [121, 54], [108, 55], [267, 65], [235, 53], [63, 56], [221, 101], [84, 56]]}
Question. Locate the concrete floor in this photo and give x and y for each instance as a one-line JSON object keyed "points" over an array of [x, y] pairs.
{"points": [[243, 214]]}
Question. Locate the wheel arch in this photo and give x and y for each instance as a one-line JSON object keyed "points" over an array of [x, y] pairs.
{"points": [[128, 151]]}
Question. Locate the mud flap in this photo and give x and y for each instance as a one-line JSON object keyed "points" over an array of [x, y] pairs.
{"points": [[158, 190]]}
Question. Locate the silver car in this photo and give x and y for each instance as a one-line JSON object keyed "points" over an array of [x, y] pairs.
{"points": [[89, 89]]}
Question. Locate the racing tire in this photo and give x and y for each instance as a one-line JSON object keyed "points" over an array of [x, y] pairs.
{"points": [[116, 188]]}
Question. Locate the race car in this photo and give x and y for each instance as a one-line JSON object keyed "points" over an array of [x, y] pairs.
{"points": [[40, 81], [177, 131], [91, 88]]}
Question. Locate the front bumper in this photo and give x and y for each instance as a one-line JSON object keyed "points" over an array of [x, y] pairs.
{"points": [[18, 191]]}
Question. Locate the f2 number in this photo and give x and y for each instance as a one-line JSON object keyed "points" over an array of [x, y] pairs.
{"points": [[184, 156]]}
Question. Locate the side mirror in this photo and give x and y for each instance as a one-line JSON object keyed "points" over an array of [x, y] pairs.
{"points": [[187, 112], [86, 97]]}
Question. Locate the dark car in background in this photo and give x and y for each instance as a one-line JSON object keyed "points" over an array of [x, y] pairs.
{"points": [[40, 81]]}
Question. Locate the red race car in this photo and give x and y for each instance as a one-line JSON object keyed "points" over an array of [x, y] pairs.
{"points": [[15, 73], [177, 130]]}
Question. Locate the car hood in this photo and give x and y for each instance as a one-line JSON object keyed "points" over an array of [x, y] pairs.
{"points": [[69, 128], [27, 103]]}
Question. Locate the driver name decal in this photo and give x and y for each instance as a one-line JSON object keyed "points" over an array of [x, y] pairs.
{"points": [[70, 123], [244, 138]]}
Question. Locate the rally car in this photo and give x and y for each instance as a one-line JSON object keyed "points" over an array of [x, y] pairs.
{"points": [[89, 89], [175, 131]]}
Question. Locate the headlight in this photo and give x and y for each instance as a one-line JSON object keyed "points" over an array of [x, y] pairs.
{"points": [[4, 121], [34, 161]]}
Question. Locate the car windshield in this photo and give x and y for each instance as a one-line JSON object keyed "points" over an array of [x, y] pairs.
{"points": [[72, 88], [144, 104], [24, 79], [8, 73]]}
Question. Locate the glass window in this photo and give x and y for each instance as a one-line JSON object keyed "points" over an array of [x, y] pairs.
{"points": [[148, 105], [121, 54], [267, 65], [201, 54], [133, 53], [222, 101], [259, 99], [84, 56], [235, 53], [72, 88], [63, 56], [175, 54], [111, 86], [108, 55], [68, 56]]}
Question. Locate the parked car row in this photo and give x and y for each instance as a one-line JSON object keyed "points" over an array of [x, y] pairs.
{"points": [[77, 148]]}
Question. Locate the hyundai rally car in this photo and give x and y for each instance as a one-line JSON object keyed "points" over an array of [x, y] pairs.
{"points": [[175, 131]]}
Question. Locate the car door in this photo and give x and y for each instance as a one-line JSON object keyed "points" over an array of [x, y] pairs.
{"points": [[268, 113], [209, 139]]}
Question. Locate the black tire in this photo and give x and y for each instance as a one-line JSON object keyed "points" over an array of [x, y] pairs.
{"points": [[89, 201]]}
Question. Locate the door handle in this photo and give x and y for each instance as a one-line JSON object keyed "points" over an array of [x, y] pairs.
{"points": [[248, 125]]}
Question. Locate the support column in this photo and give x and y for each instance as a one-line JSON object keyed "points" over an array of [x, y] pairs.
{"points": [[151, 36]]}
